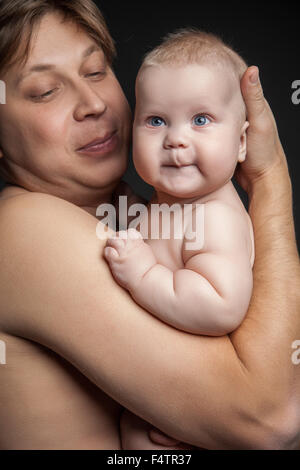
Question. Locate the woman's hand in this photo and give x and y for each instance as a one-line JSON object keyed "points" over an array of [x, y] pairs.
{"points": [[264, 150]]}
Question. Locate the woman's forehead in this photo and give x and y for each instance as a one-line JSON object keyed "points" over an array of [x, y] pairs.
{"points": [[54, 42], [53, 35]]}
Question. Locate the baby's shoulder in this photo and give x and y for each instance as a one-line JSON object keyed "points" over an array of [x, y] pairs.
{"points": [[216, 213], [224, 226], [218, 210], [229, 227]]}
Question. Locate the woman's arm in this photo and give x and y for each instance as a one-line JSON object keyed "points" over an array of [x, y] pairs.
{"points": [[273, 316], [227, 392]]}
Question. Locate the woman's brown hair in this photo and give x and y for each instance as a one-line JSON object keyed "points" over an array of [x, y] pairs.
{"points": [[18, 18]]}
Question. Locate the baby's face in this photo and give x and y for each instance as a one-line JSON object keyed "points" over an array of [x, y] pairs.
{"points": [[188, 132]]}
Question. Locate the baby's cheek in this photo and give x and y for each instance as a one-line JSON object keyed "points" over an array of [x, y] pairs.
{"points": [[221, 164]]}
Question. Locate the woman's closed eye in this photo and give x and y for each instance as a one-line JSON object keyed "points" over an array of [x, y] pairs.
{"points": [[43, 95], [97, 75], [100, 73]]}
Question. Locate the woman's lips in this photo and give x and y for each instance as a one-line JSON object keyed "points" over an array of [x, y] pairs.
{"points": [[101, 147]]}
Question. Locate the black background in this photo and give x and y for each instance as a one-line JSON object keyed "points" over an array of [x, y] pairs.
{"points": [[265, 34]]}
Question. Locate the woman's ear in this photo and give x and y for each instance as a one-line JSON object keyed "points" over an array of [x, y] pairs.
{"points": [[243, 143]]}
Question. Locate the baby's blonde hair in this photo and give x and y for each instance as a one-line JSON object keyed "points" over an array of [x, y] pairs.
{"points": [[193, 46]]}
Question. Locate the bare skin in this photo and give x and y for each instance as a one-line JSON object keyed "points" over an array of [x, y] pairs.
{"points": [[48, 403], [181, 279], [258, 421], [189, 133], [52, 267]]}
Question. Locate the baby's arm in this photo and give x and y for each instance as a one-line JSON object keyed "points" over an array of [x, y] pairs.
{"points": [[211, 294]]}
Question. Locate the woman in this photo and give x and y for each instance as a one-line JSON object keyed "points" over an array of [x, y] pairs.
{"points": [[77, 345]]}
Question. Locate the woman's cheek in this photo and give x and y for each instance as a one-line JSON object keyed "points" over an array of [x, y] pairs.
{"points": [[49, 127]]}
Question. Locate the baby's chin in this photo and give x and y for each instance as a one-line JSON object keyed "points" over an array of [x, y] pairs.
{"points": [[181, 193], [187, 190], [181, 190]]}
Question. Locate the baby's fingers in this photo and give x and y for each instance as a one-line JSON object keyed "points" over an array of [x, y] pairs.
{"points": [[110, 254]]}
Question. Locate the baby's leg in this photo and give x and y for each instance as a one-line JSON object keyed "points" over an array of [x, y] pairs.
{"points": [[135, 435]]}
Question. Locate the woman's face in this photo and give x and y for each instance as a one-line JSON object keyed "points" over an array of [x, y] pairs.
{"points": [[61, 100]]}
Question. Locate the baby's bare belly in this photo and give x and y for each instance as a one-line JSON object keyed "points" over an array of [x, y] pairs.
{"points": [[45, 403]]}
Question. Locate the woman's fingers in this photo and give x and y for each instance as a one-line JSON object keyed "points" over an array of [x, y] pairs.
{"points": [[253, 93], [256, 104], [264, 149], [259, 113]]}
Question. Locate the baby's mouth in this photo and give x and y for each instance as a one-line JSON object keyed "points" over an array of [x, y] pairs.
{"points": [[178, 167]]}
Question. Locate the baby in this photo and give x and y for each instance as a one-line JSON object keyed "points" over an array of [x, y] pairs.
{"points": [[189, 134]]}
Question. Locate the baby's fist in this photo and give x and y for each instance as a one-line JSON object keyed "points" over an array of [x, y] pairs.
{"points": [[129, 257]]}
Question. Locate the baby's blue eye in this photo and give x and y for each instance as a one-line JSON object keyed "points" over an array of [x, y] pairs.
{"points": [[200, 120], [156, 121]]}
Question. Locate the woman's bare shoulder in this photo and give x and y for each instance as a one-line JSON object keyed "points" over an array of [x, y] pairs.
{"points": [[46, 243], [10, 191], [37, 209]]}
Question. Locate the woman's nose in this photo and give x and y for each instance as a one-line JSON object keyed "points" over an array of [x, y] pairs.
{"points": [[175, 139], [89, 104]]}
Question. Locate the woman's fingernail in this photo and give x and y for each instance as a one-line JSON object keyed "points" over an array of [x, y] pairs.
{"points": [[254, 77]]}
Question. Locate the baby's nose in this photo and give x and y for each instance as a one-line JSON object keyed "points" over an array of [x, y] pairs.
{"points": [[175, 140]]}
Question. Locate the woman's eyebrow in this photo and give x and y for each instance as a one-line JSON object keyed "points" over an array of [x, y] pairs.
{"points": [[44, 67]]}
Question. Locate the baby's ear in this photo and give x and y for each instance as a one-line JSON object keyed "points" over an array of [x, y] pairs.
{"points": [[243, 143]]}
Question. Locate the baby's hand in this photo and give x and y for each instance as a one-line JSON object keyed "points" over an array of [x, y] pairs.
{"points": [[135, 435], [129, 257], [158, 437]]}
